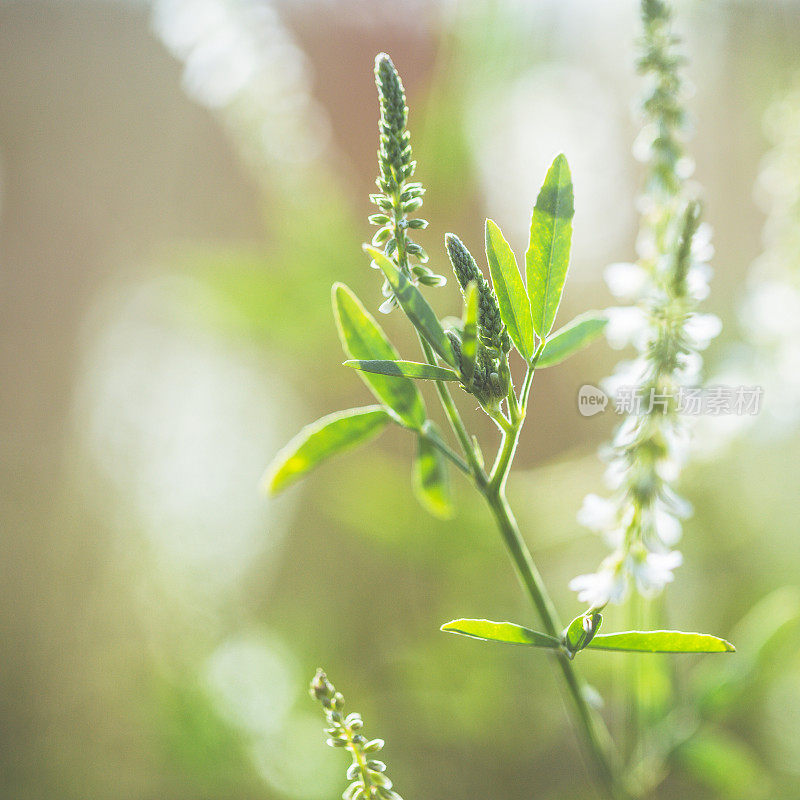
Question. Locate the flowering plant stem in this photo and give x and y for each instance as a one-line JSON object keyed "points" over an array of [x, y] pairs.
{"points": [[508, 313], [493, 489]]}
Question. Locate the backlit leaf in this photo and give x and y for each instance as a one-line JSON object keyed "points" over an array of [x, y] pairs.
{"points": [[506, 632], [415, 306], [363, 338], [408, 369], [547, 259], [574, 336], [432, 480], [322, 439], [515, 307], [661, 642]]}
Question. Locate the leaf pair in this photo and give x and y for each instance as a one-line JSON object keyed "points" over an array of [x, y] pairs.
{"points": [[631, 641], [366, 343]]}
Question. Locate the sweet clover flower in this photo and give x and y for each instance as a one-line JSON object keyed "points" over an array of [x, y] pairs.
{"points": [[641, 520]]}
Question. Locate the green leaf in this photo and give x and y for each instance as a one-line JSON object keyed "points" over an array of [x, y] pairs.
{"points": [[547, 258], [320, 440], [661, 642], [469, 336], [574, 336], [506, 632], [415, 305], [432, 480], [408, 369], [515, 307], [363, 338]]}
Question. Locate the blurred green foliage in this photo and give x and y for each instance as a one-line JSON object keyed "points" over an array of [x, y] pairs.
{"points": [[110, 629]]}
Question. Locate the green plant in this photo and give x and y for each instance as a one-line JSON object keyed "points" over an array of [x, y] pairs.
{"points": [[509, 314]]}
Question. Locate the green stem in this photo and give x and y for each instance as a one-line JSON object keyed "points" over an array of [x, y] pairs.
{"points": [[433, 437], [595, 734], [457, 424]]}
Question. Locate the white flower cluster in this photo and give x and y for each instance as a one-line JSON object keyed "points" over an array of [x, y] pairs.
{"points": [[641, 520]]}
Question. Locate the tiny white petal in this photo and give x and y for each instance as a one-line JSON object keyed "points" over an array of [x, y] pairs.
{"points": [[597, 513], [667, 527], [684, 167], [702, 249], [653, 571], [690, 366], [615, 473], [697, 280], [626, 432], [598, 588], [626, 325], [676, 504], [628, 374], [702, 328], [624, 280]]}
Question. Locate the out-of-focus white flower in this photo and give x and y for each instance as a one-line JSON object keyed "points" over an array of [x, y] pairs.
{"points": [[657, 391], [702, 247], [624, 280], [627, 374], [653, 571], [697, 280], [597, 513], [702, 328], [675, 504], [608, 584], [690, 367], [666, 527], [626, 325], [614, 474], [626, 433]]}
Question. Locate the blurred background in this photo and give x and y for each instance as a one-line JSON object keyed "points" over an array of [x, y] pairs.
{"points": [[180, 183]]}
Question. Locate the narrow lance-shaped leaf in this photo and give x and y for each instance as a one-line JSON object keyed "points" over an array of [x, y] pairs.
{"points": [[574, 336], [322, 439], [515, 307], [415, 306], [661, 642], [469, 338], [363, 338], [506, 632], [547, 259], [408, 369], [432, 480]]}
